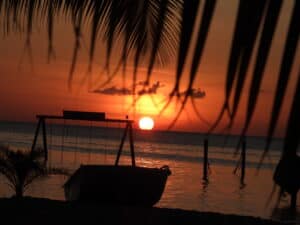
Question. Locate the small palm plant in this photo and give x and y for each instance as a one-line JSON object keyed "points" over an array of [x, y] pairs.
{"points": [[21, 168]]}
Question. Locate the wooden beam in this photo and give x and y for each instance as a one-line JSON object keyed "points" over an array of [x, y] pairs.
{"points": [[80, 115], [121, 145], [45, 139], [131, 144], [36, 135]]}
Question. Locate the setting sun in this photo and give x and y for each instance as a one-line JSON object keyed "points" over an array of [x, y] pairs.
{"points": [[146, 123]]}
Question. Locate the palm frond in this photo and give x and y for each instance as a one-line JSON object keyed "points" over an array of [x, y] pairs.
{"points": [[252, 23], [157, 29], [21, 168], [262, 56], [292, 136], [234, 60], [285, 72], [189, 13], [97, 8], [50, 22], [77, 16], [200, 43], [188, 20], [264, 47]]}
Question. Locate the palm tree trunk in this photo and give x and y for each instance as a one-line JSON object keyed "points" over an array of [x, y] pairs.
{"points": [[19, 191], [294, 200]]}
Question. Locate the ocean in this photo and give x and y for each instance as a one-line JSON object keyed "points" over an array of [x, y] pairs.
{"points": [[71, 145]]}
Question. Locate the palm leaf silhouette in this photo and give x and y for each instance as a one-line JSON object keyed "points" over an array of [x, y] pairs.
{"points": [[151, 28], [284, 74], [21, 168], [188, 19], [201, 38]]}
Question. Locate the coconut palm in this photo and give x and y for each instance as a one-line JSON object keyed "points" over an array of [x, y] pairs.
{"points": [[149, 29], [21, 168]]}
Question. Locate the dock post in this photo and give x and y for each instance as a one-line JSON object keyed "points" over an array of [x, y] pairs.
{"points": [[243, 162], [205, 160]]}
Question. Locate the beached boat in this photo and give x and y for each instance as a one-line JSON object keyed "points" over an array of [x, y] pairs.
{"points": [[111, 184], [117, 184]]}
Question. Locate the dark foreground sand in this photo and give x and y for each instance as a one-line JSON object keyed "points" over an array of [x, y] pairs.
{"points": [[44, 211]]}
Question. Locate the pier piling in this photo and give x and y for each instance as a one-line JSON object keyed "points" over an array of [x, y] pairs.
{"points": [[205, 160], [243, 162]]}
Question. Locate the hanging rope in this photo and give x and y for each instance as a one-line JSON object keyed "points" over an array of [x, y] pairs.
{"points": [[105, 144], [62, 144], [76, 147], [50, 146], [90, 142], [120, 132]]}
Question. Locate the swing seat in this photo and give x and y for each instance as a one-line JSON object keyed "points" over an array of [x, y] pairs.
{"points": [[124, 185]]}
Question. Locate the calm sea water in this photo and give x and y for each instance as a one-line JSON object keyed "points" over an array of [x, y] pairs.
{"points": [[71, 145]]}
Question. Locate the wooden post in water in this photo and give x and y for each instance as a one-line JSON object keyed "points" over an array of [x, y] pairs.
{"points": [[243, 162], [205, 160]]}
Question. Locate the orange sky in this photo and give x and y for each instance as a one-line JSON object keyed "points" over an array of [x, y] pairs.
{"points": [[42, 88]]}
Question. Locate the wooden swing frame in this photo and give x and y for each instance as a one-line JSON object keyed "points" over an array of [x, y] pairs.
{"points": [[85, 116]]}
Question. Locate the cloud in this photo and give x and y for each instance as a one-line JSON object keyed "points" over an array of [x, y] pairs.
{"points": [[151, 90], [194, 93], [114, 91]]}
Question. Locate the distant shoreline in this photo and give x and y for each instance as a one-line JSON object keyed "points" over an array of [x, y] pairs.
{"points": [[155, 136], [86, 124], [45, 211]]}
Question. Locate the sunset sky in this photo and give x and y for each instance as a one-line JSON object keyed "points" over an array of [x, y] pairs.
{"points": [[40, 87]]}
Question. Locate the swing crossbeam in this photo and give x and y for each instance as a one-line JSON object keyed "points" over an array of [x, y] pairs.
{"points": [[96, 120], [86, 116]]}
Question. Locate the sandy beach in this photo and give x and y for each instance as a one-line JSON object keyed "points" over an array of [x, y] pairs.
{"points": [[44, 211]]}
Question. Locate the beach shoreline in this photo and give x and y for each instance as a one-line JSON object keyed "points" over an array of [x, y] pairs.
{"points": [[33, 211]]}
